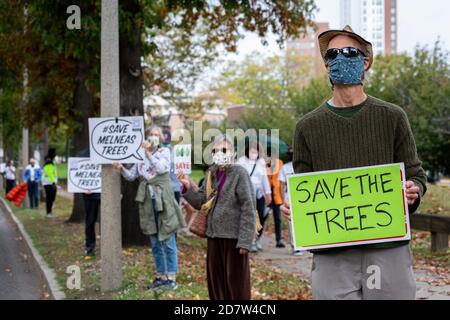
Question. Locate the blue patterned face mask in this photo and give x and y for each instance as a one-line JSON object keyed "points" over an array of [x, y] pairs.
{"points": [[346, 70]]}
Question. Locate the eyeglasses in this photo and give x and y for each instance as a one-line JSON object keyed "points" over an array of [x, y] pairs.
{"points": [[348, 52], [224, 150]]}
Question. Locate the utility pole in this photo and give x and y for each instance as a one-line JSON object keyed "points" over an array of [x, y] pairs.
{"points": [[111, 224]]}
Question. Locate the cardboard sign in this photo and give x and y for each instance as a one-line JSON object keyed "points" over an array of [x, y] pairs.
{"points": [[84, 176], [182, 158], [116, 140], [349, 207]]}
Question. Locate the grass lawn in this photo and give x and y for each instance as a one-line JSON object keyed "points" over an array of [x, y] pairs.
{"points": [[61, 245], [62, 170], [436, 200]]}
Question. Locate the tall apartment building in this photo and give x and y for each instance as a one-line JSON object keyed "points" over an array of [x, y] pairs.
{"points": [[375, 20]]}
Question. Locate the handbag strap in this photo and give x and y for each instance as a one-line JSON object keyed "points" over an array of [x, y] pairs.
{"points": [[253, 170], [209, 189]]}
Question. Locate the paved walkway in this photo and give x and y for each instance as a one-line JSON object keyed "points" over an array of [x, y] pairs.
{"points": [[20, 276], [430, 285], [63, 193]]}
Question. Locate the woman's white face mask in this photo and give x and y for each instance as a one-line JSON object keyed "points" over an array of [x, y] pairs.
{"points": [[253, 155], [222, 156], [154, 140]]}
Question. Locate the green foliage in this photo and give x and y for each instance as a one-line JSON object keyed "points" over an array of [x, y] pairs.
{"points": [[421, 85], [274, 89], [179, 38], [276, 97]]}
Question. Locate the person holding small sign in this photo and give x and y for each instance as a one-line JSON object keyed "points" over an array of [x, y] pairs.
{"points": [[350, 130], [160, 214], [167, 143]]}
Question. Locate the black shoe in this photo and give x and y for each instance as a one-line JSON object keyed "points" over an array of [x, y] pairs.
{"points": [[157, 283], [89, 253], [280, 244], [169, 285]]}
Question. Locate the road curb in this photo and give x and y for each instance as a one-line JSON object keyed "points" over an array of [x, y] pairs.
{"points": [[48, 272]]}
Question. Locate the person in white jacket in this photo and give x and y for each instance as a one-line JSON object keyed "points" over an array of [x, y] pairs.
{"points": [[255, 165], [10, 176]]}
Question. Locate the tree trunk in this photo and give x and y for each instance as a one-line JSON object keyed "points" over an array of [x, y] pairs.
{"points": [[131, 104], [83, 109]]}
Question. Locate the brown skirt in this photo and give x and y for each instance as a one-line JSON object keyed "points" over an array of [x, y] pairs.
{"points": [[228, 271]]}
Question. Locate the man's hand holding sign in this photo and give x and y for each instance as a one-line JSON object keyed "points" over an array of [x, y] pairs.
{"points": [[350, 206]]}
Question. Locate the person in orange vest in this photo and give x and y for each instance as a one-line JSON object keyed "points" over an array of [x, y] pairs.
{"points": [[273, 167]]}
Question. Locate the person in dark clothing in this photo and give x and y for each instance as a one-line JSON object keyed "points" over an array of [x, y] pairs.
{"points": [[92, 204], [92, 208], [49, 181]]}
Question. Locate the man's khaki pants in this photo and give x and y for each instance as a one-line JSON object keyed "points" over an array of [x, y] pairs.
{"points": [[364, 274]]}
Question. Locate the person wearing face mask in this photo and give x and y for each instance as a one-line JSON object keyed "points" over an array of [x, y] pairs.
{"points": [[167, 143], [254, 163], [231, 223], [159, 212], [351, 130], [32, 176]]}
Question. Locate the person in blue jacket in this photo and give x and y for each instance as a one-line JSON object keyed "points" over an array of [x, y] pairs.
{"points": [[32, 176]]}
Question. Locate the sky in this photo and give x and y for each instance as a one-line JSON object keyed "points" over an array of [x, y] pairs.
{"points": [[419, 22]]}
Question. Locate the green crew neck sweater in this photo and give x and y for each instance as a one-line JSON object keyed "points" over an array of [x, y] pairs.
{"points": [[378, 133], [346, 112]]}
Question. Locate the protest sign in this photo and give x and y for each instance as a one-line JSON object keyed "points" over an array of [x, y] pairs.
{"points": [[84, 176], [349, 207], [116, 139], [182, 158]]}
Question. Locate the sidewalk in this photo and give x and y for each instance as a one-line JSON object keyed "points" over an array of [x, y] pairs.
{"points": [[431, 285], [20, 276], [63, 193]]}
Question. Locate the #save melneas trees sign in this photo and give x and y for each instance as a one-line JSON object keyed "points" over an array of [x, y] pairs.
{"points": [[349, 207], [116, 139], [84, 176]]}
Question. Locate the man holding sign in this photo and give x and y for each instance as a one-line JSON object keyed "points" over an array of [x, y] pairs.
{"points": [[358, 218]]}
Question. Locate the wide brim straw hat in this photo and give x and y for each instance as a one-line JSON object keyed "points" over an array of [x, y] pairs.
{"points": [[325, 38]]}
